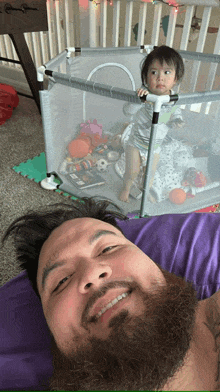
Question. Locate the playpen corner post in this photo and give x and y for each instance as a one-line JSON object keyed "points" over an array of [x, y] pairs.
{"points": [[158, 101]]}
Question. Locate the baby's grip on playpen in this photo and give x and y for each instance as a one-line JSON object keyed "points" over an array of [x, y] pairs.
{"points": [[110, 91]]}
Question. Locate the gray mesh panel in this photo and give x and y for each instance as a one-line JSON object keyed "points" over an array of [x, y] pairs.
{"points": [[97, 85]]}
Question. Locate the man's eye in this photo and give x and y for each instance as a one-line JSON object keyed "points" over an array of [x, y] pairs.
{"points": [[167, 72], [108, 248], [154, 72], [60, 283]]}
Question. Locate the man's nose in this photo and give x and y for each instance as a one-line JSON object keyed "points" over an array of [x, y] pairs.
{"points": [[93, 276]]}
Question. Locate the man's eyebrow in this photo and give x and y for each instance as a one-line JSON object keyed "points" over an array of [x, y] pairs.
{"points": [[98, 234], [50, 267]]}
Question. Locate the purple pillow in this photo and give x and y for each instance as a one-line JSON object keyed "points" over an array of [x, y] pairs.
{"points": [[25, 358], [185, 244]]}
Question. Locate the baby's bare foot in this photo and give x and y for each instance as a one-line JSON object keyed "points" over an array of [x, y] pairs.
{"points": [[124, 195]]}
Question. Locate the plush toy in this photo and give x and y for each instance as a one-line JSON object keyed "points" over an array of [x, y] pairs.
{"points": [[91, 128], [194, 178], [89, 138], [177, 196], [200, 180]]}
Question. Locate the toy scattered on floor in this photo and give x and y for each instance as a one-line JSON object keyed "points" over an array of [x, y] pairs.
{"points": [[84, 165], [70, 165], [177, 196], [113, 156], [89, 138], [101, 165], [194, 177], [8, 101], [200, 180], [195, 190]]}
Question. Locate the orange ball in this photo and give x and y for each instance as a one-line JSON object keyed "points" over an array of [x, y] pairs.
{"points": [[177, 196], [79, 148]]}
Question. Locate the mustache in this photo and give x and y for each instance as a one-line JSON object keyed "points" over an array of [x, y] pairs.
{"points": [[131, 286]]}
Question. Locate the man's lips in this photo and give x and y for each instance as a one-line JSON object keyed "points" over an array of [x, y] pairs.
{"points": [[110, 300], [105, 317]]}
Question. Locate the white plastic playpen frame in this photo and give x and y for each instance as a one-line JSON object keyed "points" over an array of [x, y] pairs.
{"points": [[195, 99], [68, 21]]}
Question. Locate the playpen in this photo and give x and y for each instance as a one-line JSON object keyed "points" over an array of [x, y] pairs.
{"points": [[83, 80], [87, 97]]}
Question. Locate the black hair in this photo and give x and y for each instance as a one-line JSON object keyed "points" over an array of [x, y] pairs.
{"points": [[163, 54], [31, 230]]}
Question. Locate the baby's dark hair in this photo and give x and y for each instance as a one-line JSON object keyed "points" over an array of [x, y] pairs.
{"points": [[31, 230], [163, 54]]}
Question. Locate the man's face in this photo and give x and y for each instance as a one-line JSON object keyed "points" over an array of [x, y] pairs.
{"points": [[147, 313], [98, 265]]}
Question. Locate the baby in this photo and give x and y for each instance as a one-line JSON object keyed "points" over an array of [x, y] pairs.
{"points": [[161, 70]]}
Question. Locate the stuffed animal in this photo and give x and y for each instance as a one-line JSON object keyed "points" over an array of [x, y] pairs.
{"points": [[89, 138], [194, 177]]}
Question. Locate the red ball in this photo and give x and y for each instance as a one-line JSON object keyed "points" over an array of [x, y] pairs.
{"points": [[177, 196], [78, 148]]}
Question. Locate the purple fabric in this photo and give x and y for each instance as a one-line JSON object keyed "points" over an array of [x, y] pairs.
{"points": [[185, 244]]}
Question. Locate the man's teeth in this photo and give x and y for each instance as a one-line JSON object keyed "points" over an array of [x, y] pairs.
{"points": [[112, 303]]}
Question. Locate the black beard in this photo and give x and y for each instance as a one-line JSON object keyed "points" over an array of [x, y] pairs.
{"points": [[141, 353]]}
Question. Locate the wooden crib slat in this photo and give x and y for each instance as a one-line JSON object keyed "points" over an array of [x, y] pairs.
{"points": [[128, 23], [36, 49], [156, 24], [50, 29], [4, 44], [93, 38], [171, 27], [142, 23], [66, 24], [103, 27], [58, 27], [186, 28], [212, 74], [116, 20], [9, 51], [2, 49], [199, 48], [43, 47]]}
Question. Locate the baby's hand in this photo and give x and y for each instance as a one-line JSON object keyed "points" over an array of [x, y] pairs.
{"points": [[178, 123], [141, 92]]}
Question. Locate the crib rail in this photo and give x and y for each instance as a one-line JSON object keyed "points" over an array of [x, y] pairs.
{"points": [[98, 23]]}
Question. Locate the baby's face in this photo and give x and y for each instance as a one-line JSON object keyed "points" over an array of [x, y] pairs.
{"points": [[161, 78]]}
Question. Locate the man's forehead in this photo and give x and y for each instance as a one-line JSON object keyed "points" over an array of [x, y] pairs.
{"points": [[77, 226]]}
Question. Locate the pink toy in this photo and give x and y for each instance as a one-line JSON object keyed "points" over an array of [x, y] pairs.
{"points": [[200, 180], [90, 137], [91, 128]]}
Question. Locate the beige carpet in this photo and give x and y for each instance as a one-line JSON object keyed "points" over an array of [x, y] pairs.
{"points": [[21, 138]]}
